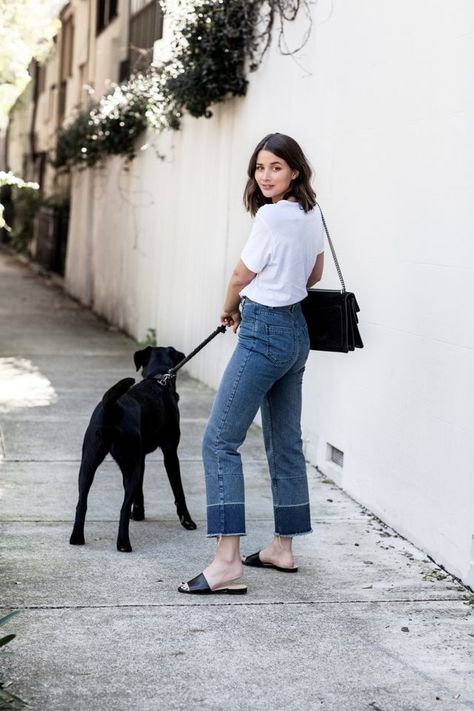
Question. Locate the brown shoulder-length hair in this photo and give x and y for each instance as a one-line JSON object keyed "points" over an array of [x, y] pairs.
{"points": [[287, 148]]}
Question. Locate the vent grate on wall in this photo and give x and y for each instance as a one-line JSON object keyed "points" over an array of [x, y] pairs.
{"points": [[335, 455]]}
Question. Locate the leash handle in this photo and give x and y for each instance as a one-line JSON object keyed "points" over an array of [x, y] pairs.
{"points": [[219, 329]]}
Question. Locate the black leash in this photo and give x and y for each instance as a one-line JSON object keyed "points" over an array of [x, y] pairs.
{"points": [[171, 373]]}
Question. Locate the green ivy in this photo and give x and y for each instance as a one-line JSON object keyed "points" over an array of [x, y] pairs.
{"points": [[215, 43], [209, 55], [26, 203], [105, 131], [8, 700]]}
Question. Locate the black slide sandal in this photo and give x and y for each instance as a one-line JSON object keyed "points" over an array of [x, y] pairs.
{"points": [[200, 586], [253, 561]]}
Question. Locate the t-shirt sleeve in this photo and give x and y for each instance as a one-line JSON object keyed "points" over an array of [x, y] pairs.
{"points": [[256, 253]]}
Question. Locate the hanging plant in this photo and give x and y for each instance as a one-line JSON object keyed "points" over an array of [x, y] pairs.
{"points": [[215, 42], [209, 51], [113, 124]]}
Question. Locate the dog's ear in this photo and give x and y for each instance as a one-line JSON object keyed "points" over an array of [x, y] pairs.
{"points": [[177, 356], [141, 358]]}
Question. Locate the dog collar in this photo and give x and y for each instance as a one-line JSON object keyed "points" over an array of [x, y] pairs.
{"points": [[164, 378]]}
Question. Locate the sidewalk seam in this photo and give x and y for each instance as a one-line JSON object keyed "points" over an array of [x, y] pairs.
{"points": [[3, 451], [226, 604]]}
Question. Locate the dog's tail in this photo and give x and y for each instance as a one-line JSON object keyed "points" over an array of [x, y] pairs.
{"points": [[115, 392]]}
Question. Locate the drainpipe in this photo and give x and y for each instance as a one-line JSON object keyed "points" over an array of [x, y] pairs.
{"points": [[6, 146], [33, 116]]}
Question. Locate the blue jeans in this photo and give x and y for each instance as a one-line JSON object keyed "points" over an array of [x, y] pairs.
{"points": [[265, 371]]}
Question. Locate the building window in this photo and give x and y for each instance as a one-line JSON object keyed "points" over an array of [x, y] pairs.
{"points": [[62, 101], [146, 26], [82, 85], [51, 100], [65, 70], [67, 43], [40, 78], [107, 10]]}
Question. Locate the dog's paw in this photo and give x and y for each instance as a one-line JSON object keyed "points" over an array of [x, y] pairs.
{"points": [[124, 547], [77, 539], [138, 513], [187, 522]]}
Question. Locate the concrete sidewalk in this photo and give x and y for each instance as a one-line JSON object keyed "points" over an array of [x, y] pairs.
{"points": [[368, 622]]}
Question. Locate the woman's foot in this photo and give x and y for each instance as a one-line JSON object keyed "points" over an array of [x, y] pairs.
{"points": [[279, 552], [200, 586], [226, 566], [220, 573]]}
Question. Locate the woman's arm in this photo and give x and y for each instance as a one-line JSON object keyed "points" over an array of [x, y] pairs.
{"points": [[230, 311], [317, 271]]}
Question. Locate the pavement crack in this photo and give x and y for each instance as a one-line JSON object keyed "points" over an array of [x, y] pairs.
{"points": [[26, 460], [256, 603], [3, 451]]}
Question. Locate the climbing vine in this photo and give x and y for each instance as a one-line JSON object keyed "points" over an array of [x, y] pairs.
{"points": [[215, 43]]}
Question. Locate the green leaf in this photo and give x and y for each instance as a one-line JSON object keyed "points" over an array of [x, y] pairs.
{"points": [[9, 701], [5, 640], [17, 699], [7, 618]]}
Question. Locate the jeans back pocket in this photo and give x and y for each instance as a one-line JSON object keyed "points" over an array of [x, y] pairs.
{"points": [[281, 344]]}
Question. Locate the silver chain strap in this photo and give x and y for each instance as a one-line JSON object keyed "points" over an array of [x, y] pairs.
{"points": [[338, 268]]}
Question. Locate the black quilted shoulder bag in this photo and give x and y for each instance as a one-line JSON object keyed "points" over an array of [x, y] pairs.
{"points": [[331, 314]]}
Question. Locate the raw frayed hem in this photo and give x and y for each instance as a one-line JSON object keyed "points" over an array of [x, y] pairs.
{"points": [[292, 535], [218, 535]]}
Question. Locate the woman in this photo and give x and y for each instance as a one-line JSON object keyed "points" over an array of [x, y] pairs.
{"points": [[282, 257]]}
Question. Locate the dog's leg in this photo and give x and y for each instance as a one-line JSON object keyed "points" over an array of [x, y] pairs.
{"points": [[94, 450], [171, 461], [130, 481], [128, 456], [138, 510]]}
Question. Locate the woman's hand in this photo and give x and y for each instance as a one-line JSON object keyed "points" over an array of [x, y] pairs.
{"points": [[230, 314], [231, 319]]}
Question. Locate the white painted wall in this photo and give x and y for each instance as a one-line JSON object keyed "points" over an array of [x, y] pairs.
{"points": [[381, 101], [18, 137], [109, 48]]}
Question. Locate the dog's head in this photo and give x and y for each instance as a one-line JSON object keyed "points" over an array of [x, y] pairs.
{"points": [[156, 360]]}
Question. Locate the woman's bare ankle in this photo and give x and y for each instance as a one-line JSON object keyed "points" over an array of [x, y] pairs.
{"points": [[228, 549], [221, 571], [227, 564], [279, 552]]}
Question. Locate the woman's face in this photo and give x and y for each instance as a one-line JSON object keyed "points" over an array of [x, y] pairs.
{"points": [[273, 175]]}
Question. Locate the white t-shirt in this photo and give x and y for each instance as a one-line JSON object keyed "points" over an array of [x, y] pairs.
{"points": [[282, 249]]}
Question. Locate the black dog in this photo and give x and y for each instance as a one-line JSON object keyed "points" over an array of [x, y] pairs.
{"points": [[131, 422]]}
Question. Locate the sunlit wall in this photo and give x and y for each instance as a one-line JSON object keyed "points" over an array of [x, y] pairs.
{"points": [[381, 101]]}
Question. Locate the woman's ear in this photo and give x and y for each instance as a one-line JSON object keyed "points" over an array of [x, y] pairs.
{"points": [[141, 358]]}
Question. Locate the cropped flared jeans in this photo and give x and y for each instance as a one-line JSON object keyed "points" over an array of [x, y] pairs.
{"points": [[265, 371]]}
